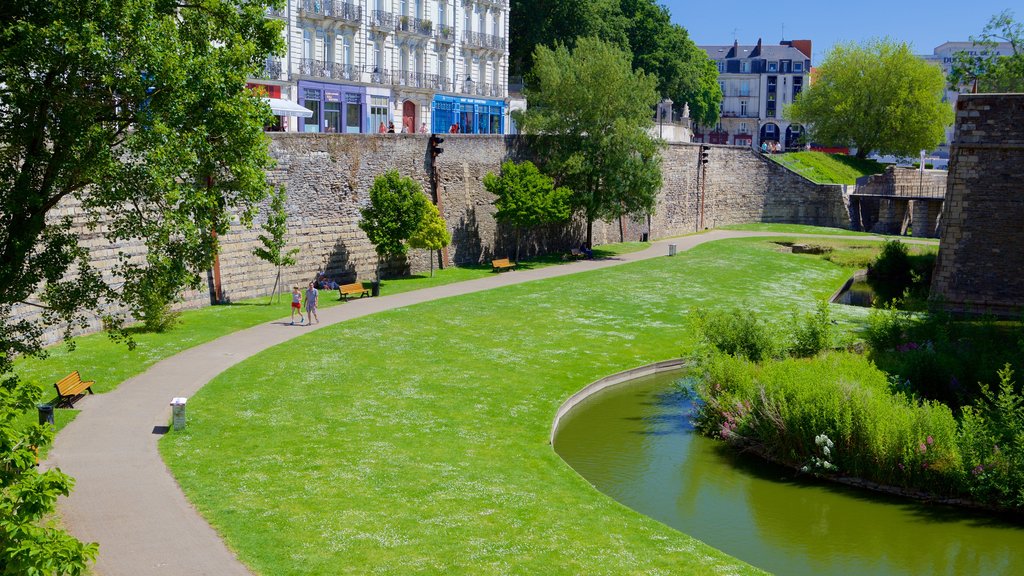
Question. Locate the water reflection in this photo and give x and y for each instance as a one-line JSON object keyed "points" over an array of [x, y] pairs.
{"points": [[636, 444]]}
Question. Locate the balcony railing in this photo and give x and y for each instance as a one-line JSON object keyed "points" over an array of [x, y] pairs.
{"points": [[271, 69], [445, 33], [334, 9], [482, 40], [414, 25], [382, 19], [321, 69], [377, 75], [407, 78], [281, 13]]}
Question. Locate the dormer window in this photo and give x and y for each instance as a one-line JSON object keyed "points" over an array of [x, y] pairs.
{"points": [[798, 66], [773, 66], [745, 66], [721, 65]]}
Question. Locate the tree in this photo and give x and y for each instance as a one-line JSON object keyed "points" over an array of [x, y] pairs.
{"points": [[592, 114], [395, 213], [534, 23], [432, 233], [877, 97], [987, 71], [138, 113], [527, 198], [274, 241]]}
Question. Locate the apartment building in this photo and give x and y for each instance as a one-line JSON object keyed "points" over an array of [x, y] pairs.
{"points": [[421, 65], [757, 82]]}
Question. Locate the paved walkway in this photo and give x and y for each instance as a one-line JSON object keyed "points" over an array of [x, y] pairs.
{"points": [[126, 499]]}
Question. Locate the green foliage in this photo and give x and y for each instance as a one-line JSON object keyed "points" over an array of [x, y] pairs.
{"points": [[593, 112], [432, 233], [814, 333], [526, 198], [876, 97], [739, 332], [828, 168], [30, 540], [984, 70], [274, 241], [899, 275], [992, 441], [396, 211]]}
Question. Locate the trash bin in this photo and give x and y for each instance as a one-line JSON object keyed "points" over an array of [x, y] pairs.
{"points": [[178, 412], [375, 289], [671, 249], [45, 413]]}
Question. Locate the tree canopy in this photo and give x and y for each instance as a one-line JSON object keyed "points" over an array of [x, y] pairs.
{"points": [[985, 71], [396, 211], [877, 97], [275, 239], [432, 233], [643, 28], [526, 198], [136, 114], [591, 112]]}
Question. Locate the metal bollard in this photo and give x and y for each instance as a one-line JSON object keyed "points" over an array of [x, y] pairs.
{"points": [[671, 249], [178, 412]]}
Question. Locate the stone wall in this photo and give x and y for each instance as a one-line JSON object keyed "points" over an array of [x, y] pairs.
{"points": [[980, 256], [328, 176]]}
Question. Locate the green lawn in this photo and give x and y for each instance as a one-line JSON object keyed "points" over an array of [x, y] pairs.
{"points": [[421, 446], [794, 229], [828, 168]]}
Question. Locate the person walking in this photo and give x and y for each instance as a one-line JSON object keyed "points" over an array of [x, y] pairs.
{"points": [[383, 129], [297, 305], [312, 300]]}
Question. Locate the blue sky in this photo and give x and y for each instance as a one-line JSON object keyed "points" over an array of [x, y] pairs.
{"points": [[924, 24]]}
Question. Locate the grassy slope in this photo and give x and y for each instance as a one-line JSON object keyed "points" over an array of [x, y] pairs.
{"points": [[828, 168], [421, 446]]}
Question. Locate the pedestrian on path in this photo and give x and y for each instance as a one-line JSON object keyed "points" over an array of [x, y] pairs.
{"points": [[297, 304], [312, 300]]}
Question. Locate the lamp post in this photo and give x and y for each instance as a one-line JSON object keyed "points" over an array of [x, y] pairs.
{"points": [[468, 85], [664, 108]]}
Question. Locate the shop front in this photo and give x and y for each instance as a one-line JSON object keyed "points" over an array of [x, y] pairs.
{"points": [[471, 115], [337, 108]]}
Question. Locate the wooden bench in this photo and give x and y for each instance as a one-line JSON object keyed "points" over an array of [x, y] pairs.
{"points": [[502, 264], [70, 388], [577, 254], [346, 290]]}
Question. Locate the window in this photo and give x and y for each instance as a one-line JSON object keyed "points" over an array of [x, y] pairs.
{"points": [[467, 24], [743, 128], [378, 56], [403, 7], [332, 113], [419, 61], [721, 65], [743, 107], [745, 66], [346, 50], [769, 129], [419, 8], [329, 48], [745, 88], [353, 114], [773, 66], [307, 44], [496, 25], [378, 111], [483, 20], [495, 80], [403, 60], [311, 101], [320, 45], [798, 66], [721, 85], [483, 74], [442, 13], [442, 66]]}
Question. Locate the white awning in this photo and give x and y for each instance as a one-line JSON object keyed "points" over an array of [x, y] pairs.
{"points": [[288, 108]]}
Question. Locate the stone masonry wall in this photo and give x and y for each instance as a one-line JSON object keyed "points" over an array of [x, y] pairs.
{"points": [[980, 257], [328, 176]]}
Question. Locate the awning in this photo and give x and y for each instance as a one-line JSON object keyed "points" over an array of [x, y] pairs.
{"points": [[288, 108]]}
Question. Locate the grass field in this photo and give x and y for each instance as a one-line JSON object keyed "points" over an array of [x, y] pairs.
{"points": [[828, 168], [421, 446]]}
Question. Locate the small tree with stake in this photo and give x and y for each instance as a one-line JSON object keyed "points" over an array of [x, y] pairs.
{"points": [[274, 242], [527, 198], [397, 206], [432, 234]]}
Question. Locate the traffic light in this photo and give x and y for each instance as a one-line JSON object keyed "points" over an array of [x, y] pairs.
{"points": [[435, 146], [703, 155]]}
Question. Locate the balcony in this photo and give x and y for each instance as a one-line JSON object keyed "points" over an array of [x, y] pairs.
{"points": [[378, 75], [410, 79], [414, 25], [271, 70], [732, 114], [445, 34], [481, 40], [331, 10], [321, 69], [382, 20], [279, 13]]}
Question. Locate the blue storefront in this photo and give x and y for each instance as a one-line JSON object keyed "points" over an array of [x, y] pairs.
{"points": [[473, 115], [336, 108]]}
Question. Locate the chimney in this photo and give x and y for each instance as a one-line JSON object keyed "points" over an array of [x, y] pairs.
{"points": [[757, 49], [734, 52], [803, 46]]}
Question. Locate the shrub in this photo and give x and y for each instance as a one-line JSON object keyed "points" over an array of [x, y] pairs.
{"points": [[814, 333], [899, 275], [739, 333], [992, 442]]}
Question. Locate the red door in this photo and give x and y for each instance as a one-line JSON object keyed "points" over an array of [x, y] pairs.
{"points": [[409, 116]]}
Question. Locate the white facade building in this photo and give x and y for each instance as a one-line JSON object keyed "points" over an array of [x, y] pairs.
{"points": [[757, 82], [419, 65]]}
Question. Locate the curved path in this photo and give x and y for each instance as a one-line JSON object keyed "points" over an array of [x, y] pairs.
{"points": [[126, 499]]}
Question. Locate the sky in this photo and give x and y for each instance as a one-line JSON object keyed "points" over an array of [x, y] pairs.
{"points": [[923, 24]]}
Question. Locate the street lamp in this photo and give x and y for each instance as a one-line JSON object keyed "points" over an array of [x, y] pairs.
{"points": [[469, 85], [664, 109]]}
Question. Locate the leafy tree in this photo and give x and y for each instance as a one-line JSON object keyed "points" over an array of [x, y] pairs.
{"points": [[877, 97], [594, 113], [527, 198], [137, 112], [987, 72], [396, 210], [274, 242], [536, 23], [432, 233]]}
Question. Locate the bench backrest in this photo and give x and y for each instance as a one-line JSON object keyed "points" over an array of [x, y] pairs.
{"points": [[68, 381], [357, 287], [502, 262]]}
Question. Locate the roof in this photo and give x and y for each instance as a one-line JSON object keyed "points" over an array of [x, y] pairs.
{"points": [[768, 52]]}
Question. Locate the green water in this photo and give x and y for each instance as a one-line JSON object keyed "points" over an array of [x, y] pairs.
{"points": [[635, 443]]}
